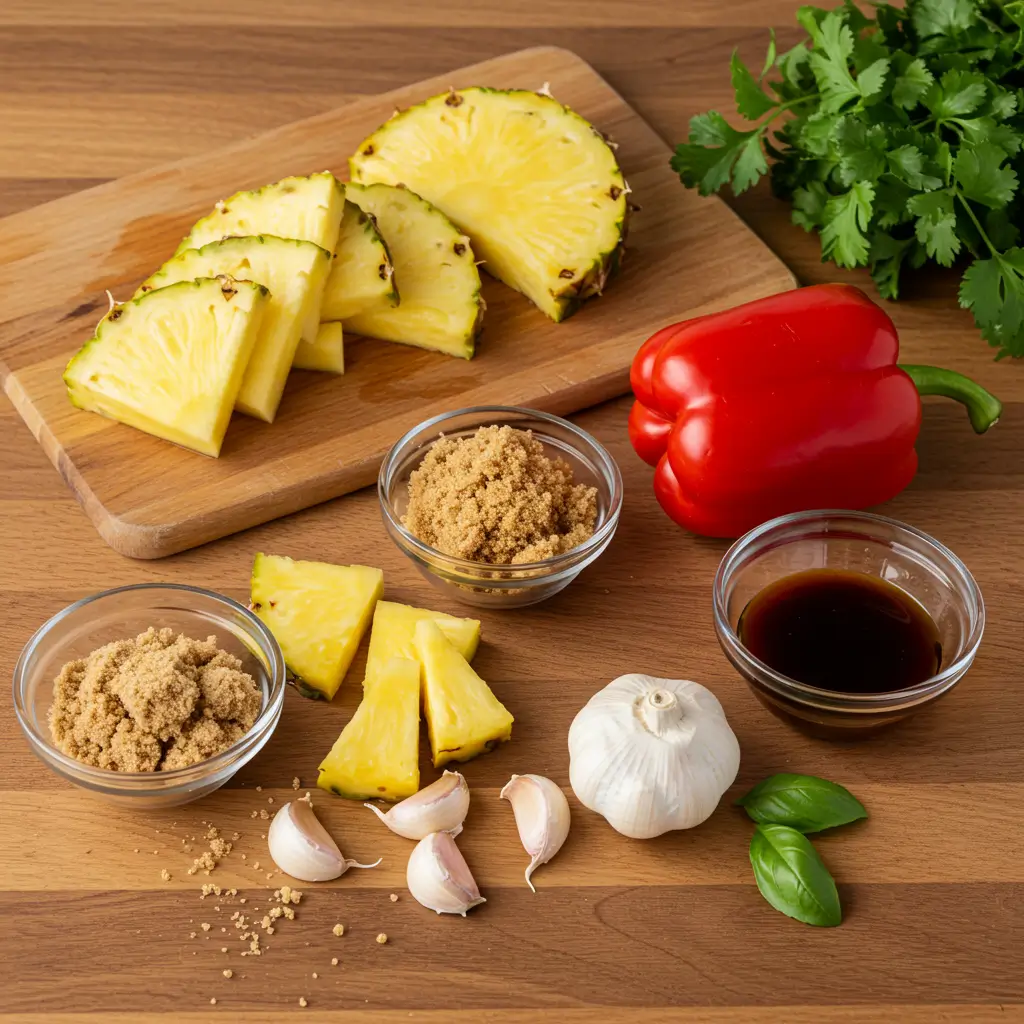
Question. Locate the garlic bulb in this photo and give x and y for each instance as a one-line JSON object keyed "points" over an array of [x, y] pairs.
{"points": [[301, 847], [439, 877], [440, 807], [652, 755], [542, 817]]}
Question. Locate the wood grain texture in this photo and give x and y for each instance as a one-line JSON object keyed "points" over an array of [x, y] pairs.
{"points": [[149, 499], [619, 932]]}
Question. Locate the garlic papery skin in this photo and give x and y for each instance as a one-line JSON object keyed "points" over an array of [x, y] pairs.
{"points": [[542, 817], [439, 877], [652, 755], [301, 847], [440, 807]]}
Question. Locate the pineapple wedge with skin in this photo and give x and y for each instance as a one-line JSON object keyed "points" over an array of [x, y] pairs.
{"points": [[394, 628], [441, 307], [464, 718], [294, 271], [171, 361], [318, 612], [377, 755], [535, 186], [362, 277], [326, 354], [308, 209]]}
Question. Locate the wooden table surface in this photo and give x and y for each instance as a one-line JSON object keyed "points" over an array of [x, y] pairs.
{"points": [[672, 929]]}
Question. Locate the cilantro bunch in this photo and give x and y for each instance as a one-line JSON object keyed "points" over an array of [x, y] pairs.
{"points": [[897, 138]]}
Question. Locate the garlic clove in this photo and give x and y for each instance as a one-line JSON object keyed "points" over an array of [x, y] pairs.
{"points": [[440, 807], [439, 877], [301, 847], [542, 817]]}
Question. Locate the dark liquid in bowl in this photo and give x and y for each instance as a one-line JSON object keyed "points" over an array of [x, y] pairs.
{"points": [[841, 630]]}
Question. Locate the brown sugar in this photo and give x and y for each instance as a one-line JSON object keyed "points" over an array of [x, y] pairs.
{"points": [[497, 497], [153, 703]]}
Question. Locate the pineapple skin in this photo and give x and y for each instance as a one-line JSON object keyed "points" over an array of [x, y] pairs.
{"points": [[376, 757], [464, 718], [392, 634], [84, 396], [315, 677], [565, 299]]}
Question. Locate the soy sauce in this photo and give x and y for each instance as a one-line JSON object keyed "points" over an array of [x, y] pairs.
{"points": [[842, 630]]}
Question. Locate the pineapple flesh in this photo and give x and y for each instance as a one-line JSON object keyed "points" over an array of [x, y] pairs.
{"points": [[362, 277], [376, 757], [535, 186], [441, 306], [309, 209], [171, 362], [394, 627], [318, 613], [464, 718], [327, 353], [294, 271]]}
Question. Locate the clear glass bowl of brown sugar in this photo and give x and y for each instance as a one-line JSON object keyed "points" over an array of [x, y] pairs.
{"points": [[481, 583], [89, 624]]}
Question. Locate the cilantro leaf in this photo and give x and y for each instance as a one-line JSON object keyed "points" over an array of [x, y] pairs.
{"points": [[716, 152], [993, 290], [846, 220], [985, 129], [979, 172], [872, 78], [751, 100], [942, 17], [793, 63], [809, 206], [861, 150], [955, 94], [887, 255], [907, 164], [769, 59], [833, 45], [935, 227], [911, 83]]}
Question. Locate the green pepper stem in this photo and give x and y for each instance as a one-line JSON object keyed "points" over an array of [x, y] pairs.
{"points": [[983, 408]]}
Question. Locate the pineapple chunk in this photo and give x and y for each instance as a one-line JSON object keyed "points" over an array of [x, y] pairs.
{"points": [[377, 755], [534, 185], [318, 612], [308, 209], [295, 273], [463, 717], [327, 353], [362, 278], [441, 305], [394, 626], [171, 362]]}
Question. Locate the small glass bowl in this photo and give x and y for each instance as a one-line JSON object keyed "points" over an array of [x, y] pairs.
{"points": [[860, 542], [490, 586], [125, 612]]}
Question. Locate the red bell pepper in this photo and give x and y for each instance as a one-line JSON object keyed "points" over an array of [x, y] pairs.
{"points": [[788, 403]]}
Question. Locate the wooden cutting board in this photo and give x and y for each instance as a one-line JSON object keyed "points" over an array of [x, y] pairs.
{"points": [[148, 499]]}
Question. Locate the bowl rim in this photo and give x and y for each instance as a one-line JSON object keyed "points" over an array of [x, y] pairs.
{"points": [[132, 781], [538, 571], [939, 682]]}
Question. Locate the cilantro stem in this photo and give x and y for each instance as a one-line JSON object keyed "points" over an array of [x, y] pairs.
{"points": [[782, 107], [977, 223]]}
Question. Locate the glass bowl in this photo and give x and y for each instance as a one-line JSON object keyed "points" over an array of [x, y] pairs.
{"points": [[505, 586], [125, 612], [860, 542]]}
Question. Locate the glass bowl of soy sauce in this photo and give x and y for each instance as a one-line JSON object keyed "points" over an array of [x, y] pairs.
{"points": [[844, 623]]}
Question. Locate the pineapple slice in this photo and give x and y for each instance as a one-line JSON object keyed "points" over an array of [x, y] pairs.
{"points": [[377, 755], [318, 612], [463, 717], [327, 353], [394, 626], [171, 361], [295, 273], [309, 209], [441, 305], [534, 185], [362, 278]]}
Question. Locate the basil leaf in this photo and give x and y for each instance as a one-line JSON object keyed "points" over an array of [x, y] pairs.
{"points": [[791, 877], [802, 802]]}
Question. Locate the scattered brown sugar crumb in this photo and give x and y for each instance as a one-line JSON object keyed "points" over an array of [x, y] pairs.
{"points": [[165, 875], [296, 782], [393, 897], [286, 894], [334, 961], [302, 1001], [339, 930], [315, 975], [153, 703], [213, 1000], [498, 498], [228, 973], [381, 939]]}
